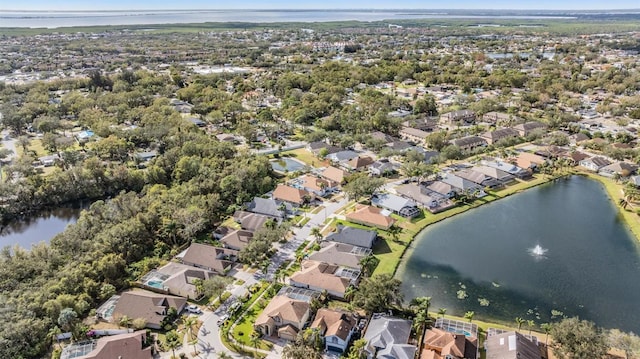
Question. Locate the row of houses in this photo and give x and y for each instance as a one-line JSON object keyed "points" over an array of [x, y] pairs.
{"points": [[470, 143]]}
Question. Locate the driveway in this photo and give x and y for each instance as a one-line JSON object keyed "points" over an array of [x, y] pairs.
{"points": [[287, 251], [9, 143]]}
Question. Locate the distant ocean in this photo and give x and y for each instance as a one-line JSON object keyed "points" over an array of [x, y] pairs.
{"points": [[44, 19]]}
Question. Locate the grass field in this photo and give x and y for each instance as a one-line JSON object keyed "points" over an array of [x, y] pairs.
{"points": [[306, 157]]}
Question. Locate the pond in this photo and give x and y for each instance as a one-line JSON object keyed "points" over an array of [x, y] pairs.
{"points": [[559, 247], [286, 164], [40, 227]]}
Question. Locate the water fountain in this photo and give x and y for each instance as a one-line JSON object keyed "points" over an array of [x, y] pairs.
{"points": [[538, 252]]}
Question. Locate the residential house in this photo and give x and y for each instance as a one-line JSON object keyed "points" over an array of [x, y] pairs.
{"points": [[268, 207], [469, 143], [151, 307], [176, 279], [354, 236], [463, 186], [441, 344], [381, 136], [594, 163], [423, 124], [509, 168], [494, 136], [528, 160], [499, 175], [316, 148], [216, 259], [622, 169], [342, 156], [334, 174], [383, 167], [417, 193], [399, 205], [48, 161], [237, 239], [283, 317], [341, 254], [500, 118], [388, 338], [424, 197], [196, 121], [400, 146], [370, 216], [122, 346], [321, 276], [479, 178], [226, 137], [527, 128], [318, 186], [250, 221], [443, 190], [458, 118], [413, 134], [359, 163], [145, 156], [336, 328], [291, 195], [511, 345]]}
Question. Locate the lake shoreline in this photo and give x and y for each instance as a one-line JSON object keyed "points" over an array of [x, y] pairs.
{"points": [[612, 190]]}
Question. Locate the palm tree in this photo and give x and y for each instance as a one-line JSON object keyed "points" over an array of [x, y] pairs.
{"points": [[421, 308], [224, 355], [519, 322], [53, 334], [190, 325], [547, 329], [530, 324], [366, 263], [349, 293], [172, 341], [469, 315], [255, 341], [315, 231], [394, 231], [442, 312], [124, 321]]}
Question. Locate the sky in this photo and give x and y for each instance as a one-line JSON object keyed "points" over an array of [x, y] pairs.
{"points": [[48, 5]]}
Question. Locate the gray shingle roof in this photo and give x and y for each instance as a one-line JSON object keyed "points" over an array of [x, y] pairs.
{"points": [[354, 236]]}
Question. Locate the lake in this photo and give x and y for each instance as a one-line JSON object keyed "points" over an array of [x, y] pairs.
{"points": [[54, 19], [40, 227], [285, 164], [559, 246]]}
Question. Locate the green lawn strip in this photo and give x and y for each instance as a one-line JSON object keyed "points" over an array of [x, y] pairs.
{"points": [[614, 190], [305, 156], [244, 327]]}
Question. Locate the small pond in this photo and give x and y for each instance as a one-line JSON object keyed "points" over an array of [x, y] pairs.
{"points": [[286, 164]]}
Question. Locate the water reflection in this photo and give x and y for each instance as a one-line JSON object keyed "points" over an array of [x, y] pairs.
{"points": [[39, 227]]}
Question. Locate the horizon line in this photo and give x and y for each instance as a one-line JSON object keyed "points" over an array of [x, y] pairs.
{"points": [[320, 9]]}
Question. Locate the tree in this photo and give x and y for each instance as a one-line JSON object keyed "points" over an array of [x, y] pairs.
{"points": [[574, 338], [190, 325], [531, 324], [519, 322], [357, 349], [124, 321], [224, 355], [546, 327], [628, 342], [420, 306], [361, 185], [442, 312], [469, 315], [368, 264], [255, 341], [378, 294], [214, 286], [315, 231], [67, 318], [426, 105], [172, 341]]}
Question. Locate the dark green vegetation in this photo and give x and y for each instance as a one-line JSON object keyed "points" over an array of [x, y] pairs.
{"points": [[193, 183]]}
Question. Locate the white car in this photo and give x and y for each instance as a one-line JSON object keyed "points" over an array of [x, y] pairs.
{"points": [[193, 309]]}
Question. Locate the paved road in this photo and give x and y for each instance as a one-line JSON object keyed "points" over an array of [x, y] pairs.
{"points": [[287, 251], [209, 344]]}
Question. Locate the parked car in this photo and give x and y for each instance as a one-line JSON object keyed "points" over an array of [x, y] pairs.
{"points": [[193, 309], [223, 319]]}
